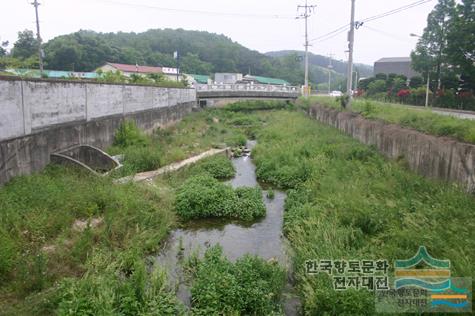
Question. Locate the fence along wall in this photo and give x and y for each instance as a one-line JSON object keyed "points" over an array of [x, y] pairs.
{"points": [[434, 157], [38, 117]]}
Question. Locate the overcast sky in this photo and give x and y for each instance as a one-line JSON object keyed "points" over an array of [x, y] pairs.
{"points": [[265, 25]]}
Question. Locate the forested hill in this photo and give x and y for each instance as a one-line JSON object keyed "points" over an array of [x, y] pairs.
{"points": [[201, 52], [322, 61]]}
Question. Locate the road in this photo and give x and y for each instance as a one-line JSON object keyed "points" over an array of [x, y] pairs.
{"points": [[459, 114]]}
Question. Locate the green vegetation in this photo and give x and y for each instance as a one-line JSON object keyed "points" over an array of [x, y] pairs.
{"points": [[445, 51], [200, 53], [250, 286], [124, 287], [195, 134], [203, 196], [76, 244], [258, 106], [421, 119], [150, 79], [219, 167], [52, 222], [270, 194], [350, 203]]}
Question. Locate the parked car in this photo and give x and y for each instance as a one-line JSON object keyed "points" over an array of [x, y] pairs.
{"points": [[336, 94]]}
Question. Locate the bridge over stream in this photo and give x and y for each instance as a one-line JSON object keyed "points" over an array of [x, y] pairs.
{"points": [[211, 94]]}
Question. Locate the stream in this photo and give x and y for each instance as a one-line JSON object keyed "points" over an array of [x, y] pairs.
{"points": [[263, 238]]}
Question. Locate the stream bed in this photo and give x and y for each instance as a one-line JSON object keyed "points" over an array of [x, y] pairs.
{"points": [[263, 238]]}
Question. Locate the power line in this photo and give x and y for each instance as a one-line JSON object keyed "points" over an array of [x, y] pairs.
{"points": [[346, 27], [202, 12], [327, 37], [339, 30], [394, 11], [393, 36]]}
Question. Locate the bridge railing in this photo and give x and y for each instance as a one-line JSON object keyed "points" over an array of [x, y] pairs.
{"points": [[247, 87]]}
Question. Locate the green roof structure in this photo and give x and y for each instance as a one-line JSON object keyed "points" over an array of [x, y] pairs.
{"points": [[266, 80], [201, 78]]}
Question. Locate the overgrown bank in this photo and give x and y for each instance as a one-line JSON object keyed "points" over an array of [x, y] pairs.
{"points": [[344, 202], [347, 202], [419, 119]]}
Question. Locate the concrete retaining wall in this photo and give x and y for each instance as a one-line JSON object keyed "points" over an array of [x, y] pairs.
{"points": [[435, 157], [39, 117]]}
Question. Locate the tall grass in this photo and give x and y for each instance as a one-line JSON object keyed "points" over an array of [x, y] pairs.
{"points": [[38, 242], [420, 119], [250, 286], [347, 202]]}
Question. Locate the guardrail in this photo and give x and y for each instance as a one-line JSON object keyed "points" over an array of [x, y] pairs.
{"points": [[247, 87]]}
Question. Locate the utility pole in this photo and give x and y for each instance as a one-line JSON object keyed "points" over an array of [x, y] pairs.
{"points": [[351, 40], [40, 51], [330, 67], [308, 10]]}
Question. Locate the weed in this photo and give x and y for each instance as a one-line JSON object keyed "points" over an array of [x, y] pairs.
{"points": [[250, 286], [420, 119], [270, 194], [128, 134], [219, 167], [202, 196], [354, 204]]}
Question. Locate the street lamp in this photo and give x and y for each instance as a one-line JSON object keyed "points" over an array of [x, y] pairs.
{"points": [[428, 75]]}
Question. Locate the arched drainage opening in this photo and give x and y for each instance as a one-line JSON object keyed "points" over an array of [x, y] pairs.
{"points": [[88, 157]]}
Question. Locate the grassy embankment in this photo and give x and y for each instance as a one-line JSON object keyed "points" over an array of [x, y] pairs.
{"points": [[345, 201], [72, 243], [421, 119]]}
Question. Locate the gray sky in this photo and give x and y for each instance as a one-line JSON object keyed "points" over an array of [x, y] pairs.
{"points": [[386, 37]]}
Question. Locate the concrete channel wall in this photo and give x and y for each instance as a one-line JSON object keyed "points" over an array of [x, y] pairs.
{"points": [[434, 157], [40, 117]]}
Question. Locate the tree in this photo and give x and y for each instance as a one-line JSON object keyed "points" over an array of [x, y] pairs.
{"points": [[461, 44], [431, 50], [26, 45], [3, 48], [416, 82], [377, 86], [192, 64]]}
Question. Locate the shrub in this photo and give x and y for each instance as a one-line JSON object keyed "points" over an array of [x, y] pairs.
{"points": [[128, 134], [251, 286], [202, 196], [7, 254], [219, 167], [270, 194], [237, 139], [259, 105], [249, 203], [113, 292], [139, 159]]}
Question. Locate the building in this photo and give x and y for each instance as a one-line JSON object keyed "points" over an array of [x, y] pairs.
{"points": [[199, 79], [55, 74], [395, 65], [264, 80], [169, 72], [227, 78], [128, 70]]}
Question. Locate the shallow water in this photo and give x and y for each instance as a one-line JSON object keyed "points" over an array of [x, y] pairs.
{"points": [[262, 238]]}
